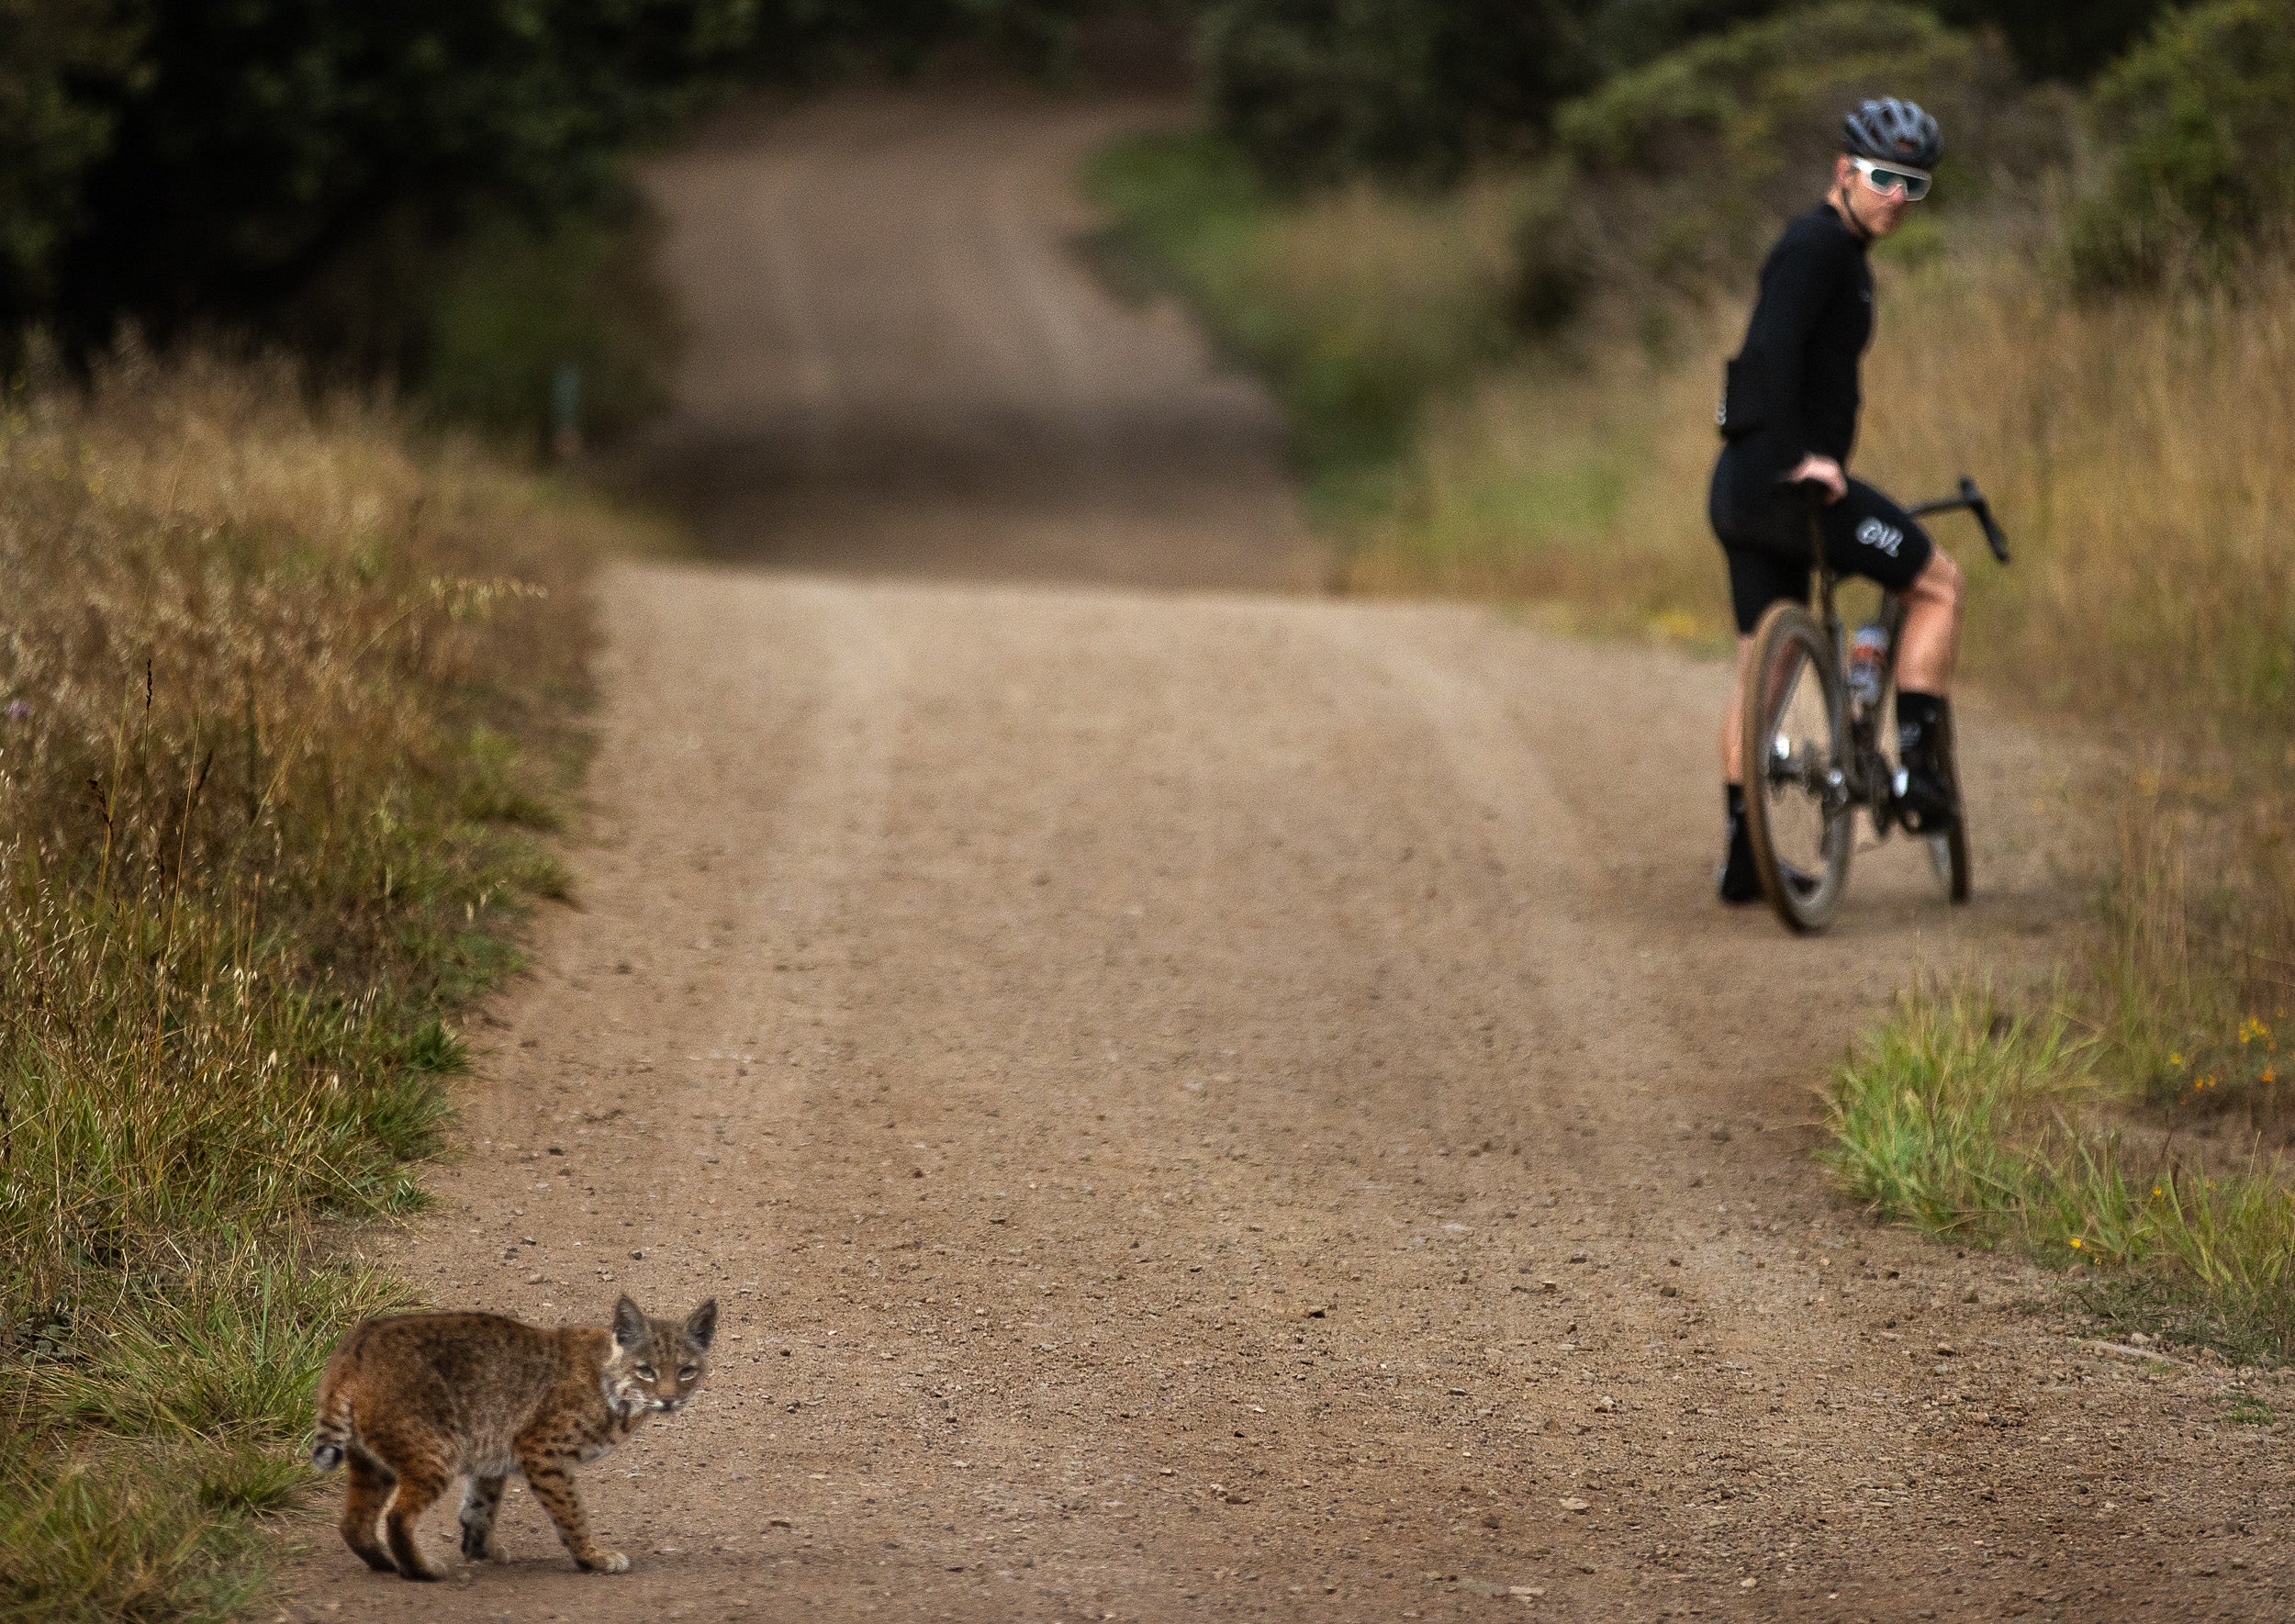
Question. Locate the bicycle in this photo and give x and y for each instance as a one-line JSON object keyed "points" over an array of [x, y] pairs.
{"points": [[1812, 745]]}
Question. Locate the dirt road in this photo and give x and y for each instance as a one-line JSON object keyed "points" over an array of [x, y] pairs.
{"points": [[1207, 1104]]}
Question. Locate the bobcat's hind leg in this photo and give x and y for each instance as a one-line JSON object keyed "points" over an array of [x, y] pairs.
{"points": [[480, 1501], [369, 1489], [420, 1483], [553, 1484]]}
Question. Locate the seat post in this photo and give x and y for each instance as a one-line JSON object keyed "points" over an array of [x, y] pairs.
{"points": [[1820, 567]]}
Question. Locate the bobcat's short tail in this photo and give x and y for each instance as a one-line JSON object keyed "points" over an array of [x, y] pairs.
{"points": [[332, 1438]]}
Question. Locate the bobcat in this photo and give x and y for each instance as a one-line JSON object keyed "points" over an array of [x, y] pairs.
{"points": [[417, 1400]]}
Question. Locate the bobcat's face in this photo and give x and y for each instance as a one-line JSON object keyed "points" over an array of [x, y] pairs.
{"points": [[657, 1363]]}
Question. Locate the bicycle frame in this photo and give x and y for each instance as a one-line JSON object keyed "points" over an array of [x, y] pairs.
{"points": [[1865, 777]]}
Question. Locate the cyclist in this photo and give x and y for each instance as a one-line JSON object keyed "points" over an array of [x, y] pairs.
{"points": [[1789, 414]]}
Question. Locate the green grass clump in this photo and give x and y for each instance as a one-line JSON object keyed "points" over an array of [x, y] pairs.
{"points": [[283, 704], [128, 1538], [1990, 1127]]}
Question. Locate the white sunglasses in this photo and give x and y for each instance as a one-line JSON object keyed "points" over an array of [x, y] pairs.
{"points": [[1889, 177]]}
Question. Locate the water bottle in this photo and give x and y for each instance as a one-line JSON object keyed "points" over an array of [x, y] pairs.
{"points": [[1868, 658]]}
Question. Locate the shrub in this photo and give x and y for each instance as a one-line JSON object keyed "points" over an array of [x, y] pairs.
{"points": [[1316, 90], [1622, 35], [1692, 160], [2201, 122]]}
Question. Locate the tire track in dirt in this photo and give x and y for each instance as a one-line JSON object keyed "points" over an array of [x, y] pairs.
{"points": [[1211, 1105]]}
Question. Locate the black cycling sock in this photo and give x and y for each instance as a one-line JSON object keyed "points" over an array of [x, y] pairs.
{"points": [[1917, 716], [1739, 881]]}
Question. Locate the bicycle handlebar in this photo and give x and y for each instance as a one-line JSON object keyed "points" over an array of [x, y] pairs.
{"points": [[1972, 500], [1814, 492]]}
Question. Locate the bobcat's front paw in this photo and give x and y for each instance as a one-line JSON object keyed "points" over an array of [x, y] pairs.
{"points": [[606, 1561]]}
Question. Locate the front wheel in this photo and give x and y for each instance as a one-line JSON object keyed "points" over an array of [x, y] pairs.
{"points": [[1797, 791]]}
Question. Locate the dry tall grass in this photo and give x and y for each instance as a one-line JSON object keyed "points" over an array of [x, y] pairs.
{"points": [[282, 703], [2145, 449]]}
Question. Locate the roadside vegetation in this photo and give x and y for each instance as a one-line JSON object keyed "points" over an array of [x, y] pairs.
{"points": [[1501, 361], [287, 708]]}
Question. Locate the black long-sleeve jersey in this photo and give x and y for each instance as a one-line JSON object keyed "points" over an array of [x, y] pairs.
{"points": [[1795, 381]]}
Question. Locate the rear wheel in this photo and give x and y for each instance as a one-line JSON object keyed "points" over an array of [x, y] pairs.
{"points": [[1797, 798]]}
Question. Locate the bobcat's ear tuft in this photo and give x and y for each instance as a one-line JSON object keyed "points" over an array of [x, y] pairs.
{"points": [[701, 1326], [629, 1324]]}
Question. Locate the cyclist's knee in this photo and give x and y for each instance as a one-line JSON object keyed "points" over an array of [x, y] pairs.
{"points": [[1939, 581]]}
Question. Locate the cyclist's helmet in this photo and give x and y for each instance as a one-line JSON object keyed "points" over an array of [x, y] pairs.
{"points": [[1890, 131]]}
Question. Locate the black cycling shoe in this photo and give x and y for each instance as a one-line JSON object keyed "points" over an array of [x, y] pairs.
{"points": [[1739, 882], [1921, 801]]}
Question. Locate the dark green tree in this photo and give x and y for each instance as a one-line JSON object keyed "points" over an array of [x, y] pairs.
{"points": [[258, 139], [61, 65], [197, 160]]}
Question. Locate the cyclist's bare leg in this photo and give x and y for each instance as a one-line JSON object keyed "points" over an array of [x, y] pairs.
{"points": [[1739, 881], [1733, 722], [1931, 640], [1925, 798]]}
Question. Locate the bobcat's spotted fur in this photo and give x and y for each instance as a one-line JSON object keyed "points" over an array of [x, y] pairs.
{"points": [[417, 1400]]}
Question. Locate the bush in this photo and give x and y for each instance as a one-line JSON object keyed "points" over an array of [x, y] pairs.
{"points": [[1622, 35], [2201, 122], [1690, 162], [1317, 90]]}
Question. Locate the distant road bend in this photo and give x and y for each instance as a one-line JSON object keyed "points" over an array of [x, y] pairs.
{"points": [[902, 369], [1202, 1100]]}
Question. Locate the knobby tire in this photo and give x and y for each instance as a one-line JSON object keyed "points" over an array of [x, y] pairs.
{"points": [[1794, 685]]}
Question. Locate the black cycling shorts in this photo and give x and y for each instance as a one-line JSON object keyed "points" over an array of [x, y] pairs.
{"points": [[1764, 528]]}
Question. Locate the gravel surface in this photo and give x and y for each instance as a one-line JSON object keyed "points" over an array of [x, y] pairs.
{"points": [[1211, 1102]]}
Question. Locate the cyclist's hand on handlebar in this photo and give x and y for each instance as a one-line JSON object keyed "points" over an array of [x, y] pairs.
{"points": [[1816, 470]]}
